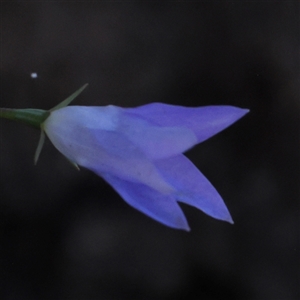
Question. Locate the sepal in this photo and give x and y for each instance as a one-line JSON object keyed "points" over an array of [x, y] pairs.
{"points": [[39, 147], [67, 101], [73, 164]]}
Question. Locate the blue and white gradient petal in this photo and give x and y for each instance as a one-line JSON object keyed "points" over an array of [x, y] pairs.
{"points": [[138, 151]]}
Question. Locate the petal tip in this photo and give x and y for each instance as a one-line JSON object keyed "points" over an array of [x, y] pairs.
{"points": [[186, 228], [229, 220], [240, 112], [245, 111], [183, 225]]}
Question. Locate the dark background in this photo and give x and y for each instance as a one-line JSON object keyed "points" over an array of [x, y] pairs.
{"points": [[68, 235]]}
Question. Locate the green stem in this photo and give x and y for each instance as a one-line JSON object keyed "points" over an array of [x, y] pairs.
{"points": [[29, 116]]}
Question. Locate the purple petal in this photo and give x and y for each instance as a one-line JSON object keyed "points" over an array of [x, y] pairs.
{"points": [[161, 207], [79, 123], [204, 121], [154, 140], [77, 133], [192, 186]]}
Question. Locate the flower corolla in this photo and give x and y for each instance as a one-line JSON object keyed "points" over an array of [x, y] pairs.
{"points": [[138, 151]]}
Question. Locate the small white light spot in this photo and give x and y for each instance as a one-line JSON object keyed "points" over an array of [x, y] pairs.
{"points": [[34, 75]]}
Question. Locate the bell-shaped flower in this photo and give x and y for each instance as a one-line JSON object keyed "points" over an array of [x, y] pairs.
{"points": [[138, 151]]}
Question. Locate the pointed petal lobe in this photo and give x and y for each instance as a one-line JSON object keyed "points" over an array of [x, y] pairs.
{"points": [[192, 187], [161, 207], [204, 121]]}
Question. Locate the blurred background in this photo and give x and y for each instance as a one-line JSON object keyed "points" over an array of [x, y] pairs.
{"points": [[67, 235]]}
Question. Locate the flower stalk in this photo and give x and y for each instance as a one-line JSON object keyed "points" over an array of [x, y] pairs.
{"points": [[29, 116]]}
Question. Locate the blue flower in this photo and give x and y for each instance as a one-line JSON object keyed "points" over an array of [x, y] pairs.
{"points": [[138, 151]]}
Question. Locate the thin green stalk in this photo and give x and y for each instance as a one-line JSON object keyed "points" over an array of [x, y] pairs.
{"points": [[29, 116]]}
